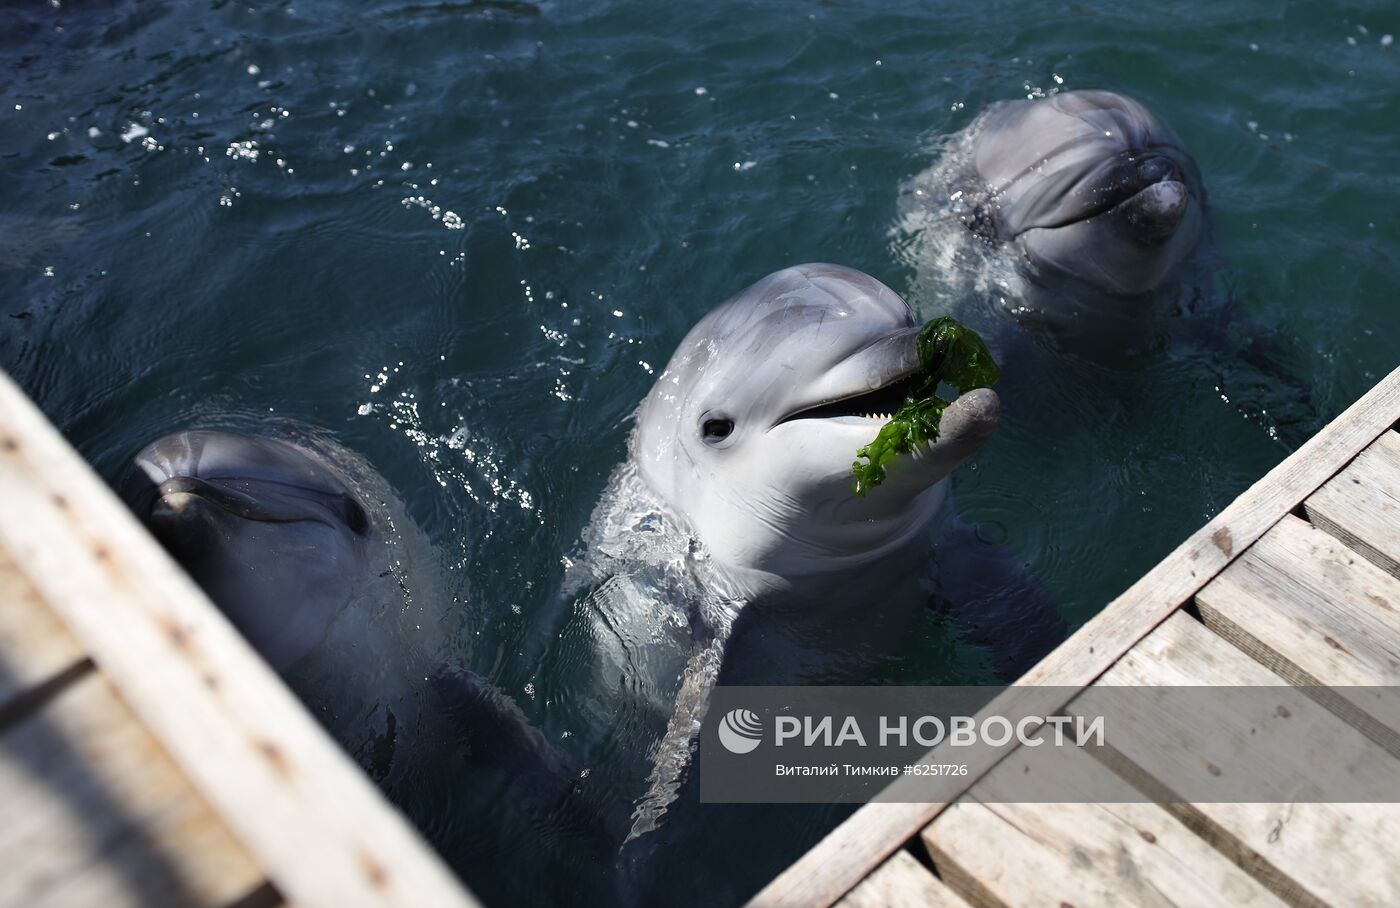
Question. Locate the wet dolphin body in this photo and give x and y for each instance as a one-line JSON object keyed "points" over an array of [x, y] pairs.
{"points": [[737, 490], [750, 431], [275, 531], [311, 556], [1087, 184], [1084, 215], [1080, 213]]}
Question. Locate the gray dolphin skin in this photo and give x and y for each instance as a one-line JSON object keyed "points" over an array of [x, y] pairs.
{"points": [[751, 429], [273, 531], [739, 479], [307, 551], [1089, 184]]}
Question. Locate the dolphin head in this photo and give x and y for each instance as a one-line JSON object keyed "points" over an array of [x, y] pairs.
{"points": [[270, 530], [1090, 184], [751, 429]]}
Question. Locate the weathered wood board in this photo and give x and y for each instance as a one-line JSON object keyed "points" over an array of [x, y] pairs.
{"points": [[1361, 505], [96, 814], [853, 849], [311, 821], [34, 647], [1308, 853], [1080, 853], [1316, 613], [901, 882]]}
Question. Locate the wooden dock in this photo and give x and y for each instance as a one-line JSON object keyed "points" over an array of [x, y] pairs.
{"points": [[1296, 584], [147, 755]]}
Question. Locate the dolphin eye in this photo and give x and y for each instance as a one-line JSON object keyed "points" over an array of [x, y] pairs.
{"points": [[716, 429]]}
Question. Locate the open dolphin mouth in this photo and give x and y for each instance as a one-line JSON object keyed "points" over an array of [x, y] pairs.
{"points": [[869, 383], [877, 405]]}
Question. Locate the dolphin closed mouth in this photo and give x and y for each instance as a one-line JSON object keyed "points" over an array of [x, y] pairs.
{"points": [[275, 503], [1142, 183]]}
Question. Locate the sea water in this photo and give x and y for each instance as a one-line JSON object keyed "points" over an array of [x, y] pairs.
{"points": [[464, 237]]}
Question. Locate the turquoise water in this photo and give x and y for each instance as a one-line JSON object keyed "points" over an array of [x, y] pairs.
{"points": [[461, 236]]}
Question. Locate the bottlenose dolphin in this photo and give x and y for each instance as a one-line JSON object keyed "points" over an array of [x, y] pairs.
{"points": [[276, 532], [1067, 211], [1089, 184], [750, 430], [310, 554], [737, 491], [1083, 217]]}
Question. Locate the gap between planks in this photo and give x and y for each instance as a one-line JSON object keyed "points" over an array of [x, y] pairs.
{"points": [[1361, 505], [1308, 852]]}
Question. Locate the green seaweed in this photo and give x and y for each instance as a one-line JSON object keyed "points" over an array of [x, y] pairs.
{"points": [[948, 352]]}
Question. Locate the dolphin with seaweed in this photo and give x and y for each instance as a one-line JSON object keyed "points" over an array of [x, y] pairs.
{"points": [[740, 490]]}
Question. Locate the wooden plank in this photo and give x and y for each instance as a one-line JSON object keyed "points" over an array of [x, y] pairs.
{"points": [[96, 814], [1318, 614], [1307, 853], [1361, 505], [34, 646], [901, 882], [853, 849], [310, 818], [1085, 852]]}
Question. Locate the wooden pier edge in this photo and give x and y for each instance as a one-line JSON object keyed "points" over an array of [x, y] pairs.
{"points": [[311, 820], [836, 864]]}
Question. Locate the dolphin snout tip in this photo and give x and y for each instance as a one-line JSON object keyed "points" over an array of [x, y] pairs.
{"points": [[182, 521], [979, 403], [973, 416], [1159, 208], [1167, 195]]}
